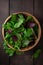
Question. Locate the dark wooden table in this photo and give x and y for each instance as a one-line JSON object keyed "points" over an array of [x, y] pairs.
{"points": [[7, 7]]}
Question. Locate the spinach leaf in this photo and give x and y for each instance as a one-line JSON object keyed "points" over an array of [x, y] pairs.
{"points": [[14, 18], [19, 36], [9, 38], [29, 18], [36, 54], [8, 26], [11, 22], [28, 32], [20, 21], [8, 50], [7, 35], [17, 45], [25, 43], [21, 16], [20, 29], [10, 41]]}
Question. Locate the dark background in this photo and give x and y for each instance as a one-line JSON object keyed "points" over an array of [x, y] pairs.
{"points": [[35, 7]]}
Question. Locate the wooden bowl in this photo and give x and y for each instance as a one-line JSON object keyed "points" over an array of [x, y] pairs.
{"points": [[39, 32]]}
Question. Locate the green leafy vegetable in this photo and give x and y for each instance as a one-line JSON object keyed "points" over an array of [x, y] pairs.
{"points": [[17, 45], [8, 50], [25, 43], [21, 16], [29, 18], [29, 32], [7, 36], [10, 41], [14, 18], [20, 21], [17, 35], [36, 54], [36, 29]]}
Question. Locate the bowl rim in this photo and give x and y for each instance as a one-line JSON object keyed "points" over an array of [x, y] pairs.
{"points": [[39, 31]]}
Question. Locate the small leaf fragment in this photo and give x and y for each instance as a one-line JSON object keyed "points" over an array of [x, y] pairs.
{"points": [[36, 54]]}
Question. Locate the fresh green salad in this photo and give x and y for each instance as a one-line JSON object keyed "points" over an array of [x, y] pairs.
{"points": [[20, 31]]}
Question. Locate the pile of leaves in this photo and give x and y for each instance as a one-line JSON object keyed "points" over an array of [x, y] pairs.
{"points": [[20, 32]]}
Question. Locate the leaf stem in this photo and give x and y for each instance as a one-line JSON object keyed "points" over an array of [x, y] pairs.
{"points": [[34, 34]]}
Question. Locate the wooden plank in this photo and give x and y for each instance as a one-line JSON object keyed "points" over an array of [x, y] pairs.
{"points": [[3, 14], [18, 6], [23, 59], [21, 5], [4, 59], [38, 12]]}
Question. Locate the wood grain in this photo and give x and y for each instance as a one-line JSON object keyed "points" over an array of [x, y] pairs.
{"points": [[38, 12], [21, 5], [4, 59], [34, 7]]}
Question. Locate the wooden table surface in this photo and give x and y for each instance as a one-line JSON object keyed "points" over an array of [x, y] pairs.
{"points": [[7, 7]]}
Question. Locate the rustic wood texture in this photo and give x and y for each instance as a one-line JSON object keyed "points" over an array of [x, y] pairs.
{"points": [[21, 5], [38, 12], [4, 59], [23, 59], [8, 7]]}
